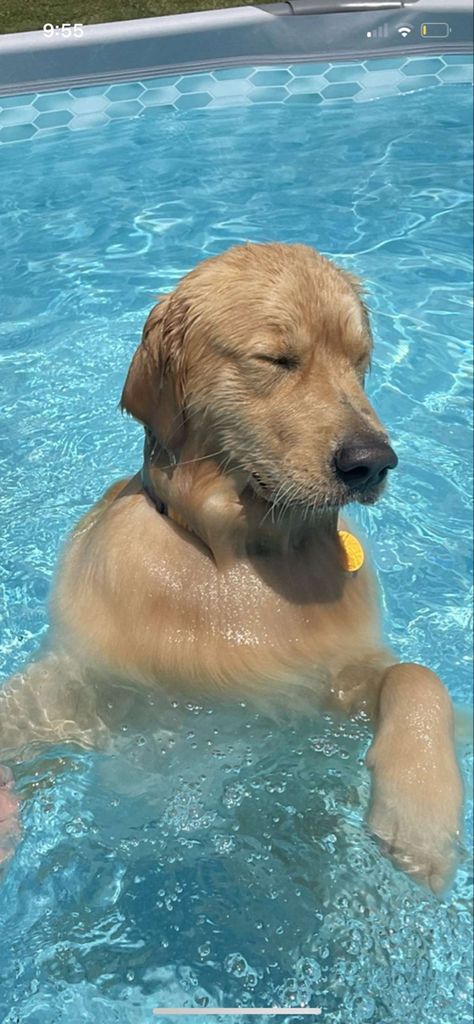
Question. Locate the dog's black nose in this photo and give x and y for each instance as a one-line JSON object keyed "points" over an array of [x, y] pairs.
{"points": [[364, 462]]}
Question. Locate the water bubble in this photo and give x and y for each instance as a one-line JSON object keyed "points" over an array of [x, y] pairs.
{"points": [[236, 964]]}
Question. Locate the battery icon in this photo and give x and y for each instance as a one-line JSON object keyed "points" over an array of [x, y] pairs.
{"points": [[435, 29]]}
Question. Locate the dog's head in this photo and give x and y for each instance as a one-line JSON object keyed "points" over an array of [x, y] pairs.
{"points": [[261, 353]]}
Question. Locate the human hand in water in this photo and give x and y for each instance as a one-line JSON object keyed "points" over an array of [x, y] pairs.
{"points": [[9, 817]]}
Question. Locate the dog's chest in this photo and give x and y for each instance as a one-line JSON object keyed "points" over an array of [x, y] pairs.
{"points": [[163, 610], [261, 620]]}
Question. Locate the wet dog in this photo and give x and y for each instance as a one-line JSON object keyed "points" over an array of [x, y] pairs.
{"points": [[224, 567]]}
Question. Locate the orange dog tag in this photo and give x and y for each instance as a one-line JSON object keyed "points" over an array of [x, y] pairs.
{"points": [[352, 551]]}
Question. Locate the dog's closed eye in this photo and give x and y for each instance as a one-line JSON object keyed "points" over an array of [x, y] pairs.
{"points": [[285, 361]]}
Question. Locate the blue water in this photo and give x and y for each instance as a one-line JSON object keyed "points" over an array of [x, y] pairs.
{"points": [[219, 859]]}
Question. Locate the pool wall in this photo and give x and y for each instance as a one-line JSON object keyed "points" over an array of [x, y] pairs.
{"points": [[31, 115], [291, 32]]}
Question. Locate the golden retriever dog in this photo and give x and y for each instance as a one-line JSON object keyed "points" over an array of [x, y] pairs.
{"points": [[224, 566]]}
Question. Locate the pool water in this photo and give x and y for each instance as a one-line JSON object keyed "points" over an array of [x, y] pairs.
{"points": [[219, 858]]}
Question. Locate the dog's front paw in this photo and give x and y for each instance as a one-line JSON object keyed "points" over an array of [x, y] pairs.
{"points": [[415, 811], [9, 816]]}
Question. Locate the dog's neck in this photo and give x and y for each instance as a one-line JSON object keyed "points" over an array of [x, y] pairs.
{"points": [[236, 528]]}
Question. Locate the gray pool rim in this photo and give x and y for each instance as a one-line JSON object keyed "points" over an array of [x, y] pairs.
{"points": [[290, 32]]}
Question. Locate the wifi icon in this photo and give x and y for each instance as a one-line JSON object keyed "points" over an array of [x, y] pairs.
{"points": [[404, 31]]}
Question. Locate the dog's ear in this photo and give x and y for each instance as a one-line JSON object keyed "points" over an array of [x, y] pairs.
{"points": [[154, 391]]}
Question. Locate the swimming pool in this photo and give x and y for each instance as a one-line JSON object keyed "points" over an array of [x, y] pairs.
{"points": [[223, 860]]}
